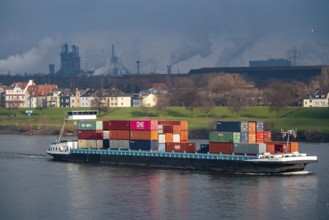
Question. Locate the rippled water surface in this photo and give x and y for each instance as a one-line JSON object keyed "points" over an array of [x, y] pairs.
{"points": [[32, 186]]}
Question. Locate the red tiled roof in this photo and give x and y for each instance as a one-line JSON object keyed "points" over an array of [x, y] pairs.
{"points": [[41, 90], [160, 86]]}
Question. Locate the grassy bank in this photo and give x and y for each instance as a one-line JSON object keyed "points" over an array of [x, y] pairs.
{"points": [[307, 120]]}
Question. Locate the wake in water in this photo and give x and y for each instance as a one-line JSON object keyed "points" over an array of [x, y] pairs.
{"points": [[297, 173], [8, 155]]}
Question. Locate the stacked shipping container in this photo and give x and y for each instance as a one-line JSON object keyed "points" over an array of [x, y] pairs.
{"points": [[245, 137], [147, 135]]}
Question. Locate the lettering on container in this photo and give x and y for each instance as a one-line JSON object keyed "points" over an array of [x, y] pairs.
{"points": [[140, 124]]}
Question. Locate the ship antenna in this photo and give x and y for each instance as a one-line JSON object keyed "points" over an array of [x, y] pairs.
{"points": [[292, 132]]}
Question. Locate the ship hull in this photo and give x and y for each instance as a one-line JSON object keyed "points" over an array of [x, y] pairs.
{"points": [[197, 164]]}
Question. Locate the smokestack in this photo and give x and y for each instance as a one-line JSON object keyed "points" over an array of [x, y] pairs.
{"points": [[138, 62], [169, 69], [52, 69]]}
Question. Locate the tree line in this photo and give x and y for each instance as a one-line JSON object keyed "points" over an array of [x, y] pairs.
{"points": [[204, 91]]}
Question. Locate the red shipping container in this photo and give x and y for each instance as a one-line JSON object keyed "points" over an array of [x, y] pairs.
{"points": [[119, 134], [144, 125], [90, 135], [168, 129], [118, 125], [260, 137], [181, 147], [182, 124], [224, 148], [267, 136], [106, 125]]}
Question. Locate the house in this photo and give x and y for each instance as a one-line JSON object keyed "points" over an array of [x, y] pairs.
{"points": [[157, 88], [39, 96], [75, 98], [17, 95], [86, 98], [150, 100], [53, 99], [117, 98], [319, 98]]}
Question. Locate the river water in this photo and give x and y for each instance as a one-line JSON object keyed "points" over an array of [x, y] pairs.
{"points": [[32, 186]]}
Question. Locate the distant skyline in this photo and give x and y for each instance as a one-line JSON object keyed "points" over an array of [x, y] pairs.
{"points": [[186, 34]]}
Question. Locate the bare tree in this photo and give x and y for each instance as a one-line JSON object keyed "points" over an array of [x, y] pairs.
{"points": [[206, 102], [279, 95], [163, 103], [99, 102], [237, 101]]}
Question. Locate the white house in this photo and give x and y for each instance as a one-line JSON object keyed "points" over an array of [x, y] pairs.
{"points": [[319, 98], [17, 96]]}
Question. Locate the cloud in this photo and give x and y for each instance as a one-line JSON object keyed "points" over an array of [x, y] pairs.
{"points": [[28, 61]]}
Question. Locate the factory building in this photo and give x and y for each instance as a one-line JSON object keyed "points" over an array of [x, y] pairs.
{"points": [[70, 61]]}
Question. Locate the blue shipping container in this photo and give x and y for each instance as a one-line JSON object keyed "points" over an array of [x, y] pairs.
{"points": [[244, 137], [145, 145], [204, 148], [260, 126], [244, 126], [228, 126]]}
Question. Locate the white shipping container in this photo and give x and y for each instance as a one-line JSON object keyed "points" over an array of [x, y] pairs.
{"points": [[176, 138], [162, 147], [82, 143], [106, 135], [99, 143], [162, 139]]}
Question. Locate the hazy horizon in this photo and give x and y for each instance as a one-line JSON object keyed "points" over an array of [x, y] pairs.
{"points": [[185, 34]]}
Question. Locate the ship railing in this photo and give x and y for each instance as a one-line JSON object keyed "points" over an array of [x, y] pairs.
{"points": [[162, 154]]}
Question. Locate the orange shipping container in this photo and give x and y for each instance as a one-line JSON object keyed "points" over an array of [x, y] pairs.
{"points": [[176, 129], [251, 126], [184, 136], [251, 138], [143, 135], [293, 147], [119, 134], [169, 137], [270, 148]]}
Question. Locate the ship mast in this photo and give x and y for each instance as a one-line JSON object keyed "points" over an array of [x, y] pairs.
{"points": [[288, 133]]}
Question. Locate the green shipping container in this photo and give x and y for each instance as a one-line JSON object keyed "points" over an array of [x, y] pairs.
{"points": [[236, 137], [90, 125], [221, 137]]}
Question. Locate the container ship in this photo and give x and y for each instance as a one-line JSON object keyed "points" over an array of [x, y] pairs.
{"points": [[233, 147]]}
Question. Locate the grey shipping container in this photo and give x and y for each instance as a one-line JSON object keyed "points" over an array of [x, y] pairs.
{"points": [[90, 125], [119, 144], [248, 148]]}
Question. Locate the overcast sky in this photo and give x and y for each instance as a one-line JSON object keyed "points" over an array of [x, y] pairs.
{"points": [[186, 34]]}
